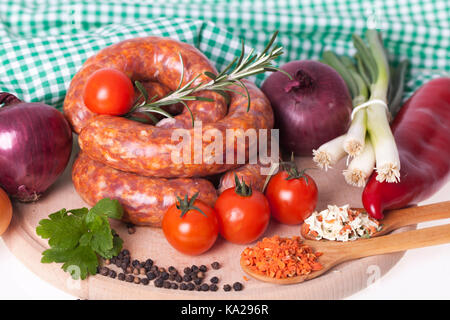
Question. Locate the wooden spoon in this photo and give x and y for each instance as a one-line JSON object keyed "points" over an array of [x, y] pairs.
{"points": [[402, 217], [335, 252]]}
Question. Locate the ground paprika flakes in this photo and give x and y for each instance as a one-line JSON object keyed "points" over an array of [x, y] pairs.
{"points": [[281, 257]]}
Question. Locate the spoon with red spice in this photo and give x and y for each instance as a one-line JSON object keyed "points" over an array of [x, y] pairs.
{"points": [[398, 218], [333, 253]]}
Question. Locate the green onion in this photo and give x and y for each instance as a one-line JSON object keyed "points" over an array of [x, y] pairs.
{"points": [[361, 166], [369, 139], [372, 87], [329, 153], [354, 141], [386, 153]]}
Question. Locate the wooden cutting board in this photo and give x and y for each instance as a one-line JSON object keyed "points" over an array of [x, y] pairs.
{"points": [[339, 283]]}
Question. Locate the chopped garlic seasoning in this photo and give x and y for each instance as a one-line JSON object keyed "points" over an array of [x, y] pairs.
{"points": [[341, 224]]}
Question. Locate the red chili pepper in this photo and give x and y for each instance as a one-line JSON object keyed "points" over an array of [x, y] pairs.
{"points": [[422, 134]]}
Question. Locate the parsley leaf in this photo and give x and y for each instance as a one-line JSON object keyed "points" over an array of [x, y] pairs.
{"points": [[81, 262], [110, 208], [62, 230], [77, 236]]}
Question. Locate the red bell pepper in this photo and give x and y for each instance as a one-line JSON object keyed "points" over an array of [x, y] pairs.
{"points": [[422, 134]]}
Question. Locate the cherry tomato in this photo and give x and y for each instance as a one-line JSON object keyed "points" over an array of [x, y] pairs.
{"points": [[242, 218], [291, 200], [109, 91], [5, 211], [188, 230]]}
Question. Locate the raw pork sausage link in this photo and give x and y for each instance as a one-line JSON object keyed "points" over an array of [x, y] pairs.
{"points": [[251, 173], [143, 153], [148, 59], [145, 200], [147, 150]]}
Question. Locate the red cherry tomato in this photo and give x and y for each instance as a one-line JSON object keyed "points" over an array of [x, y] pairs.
{"points": [[291, 201], [242, 219], [109, 91], [192, 232]]}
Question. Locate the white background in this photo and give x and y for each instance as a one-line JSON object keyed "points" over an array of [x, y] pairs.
{"points": [[421, 274]]}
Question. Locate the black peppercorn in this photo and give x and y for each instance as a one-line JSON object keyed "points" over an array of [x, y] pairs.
{"points": [[215, 265], [137, 280], [214, 280], [120, 256], [190, 286], [121, 276], [125, 252], [135, 263], [144, 281], [198, 288], [131, 230], [159, 283], [123, 265], [197, 281], [164, 275], [172, 270], [151, 275], [112, 274], [187, 278], [173, 285], [183, 286], [203, 268], [178, 278], [187, 270], [148, 263], [237, 286], [194, 268], [227, 287], [213, 287], [204, 287], [104, 271], [171, 277], [166, 284], [129, 278]]}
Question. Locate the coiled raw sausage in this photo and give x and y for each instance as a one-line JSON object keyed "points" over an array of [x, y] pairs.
{"points": [[131, 161], [146, 59], [148, 150]]}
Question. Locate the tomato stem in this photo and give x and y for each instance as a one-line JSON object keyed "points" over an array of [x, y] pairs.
{"points": [[241, 187], [292, 170], [184, 205]]}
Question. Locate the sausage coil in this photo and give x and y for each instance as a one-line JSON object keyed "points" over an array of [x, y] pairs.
{"points": [[133, 162]]}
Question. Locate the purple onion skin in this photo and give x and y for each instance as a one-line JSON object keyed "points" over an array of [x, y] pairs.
{"points": [[35, 147], [311, 109]]}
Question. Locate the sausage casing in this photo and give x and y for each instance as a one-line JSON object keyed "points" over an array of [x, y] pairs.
{"points": [[145, 200]]}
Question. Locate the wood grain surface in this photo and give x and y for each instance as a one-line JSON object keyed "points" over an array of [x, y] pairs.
{"points": [[340, 282]]}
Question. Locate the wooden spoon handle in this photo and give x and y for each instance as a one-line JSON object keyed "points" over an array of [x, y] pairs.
{"points": [[399, 242], [412, 215]]}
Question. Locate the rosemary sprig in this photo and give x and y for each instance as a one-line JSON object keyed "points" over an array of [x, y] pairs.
{"points": [[241, 67]]}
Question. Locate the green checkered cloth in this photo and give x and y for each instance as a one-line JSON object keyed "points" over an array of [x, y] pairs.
{"points": [[44, 42]]}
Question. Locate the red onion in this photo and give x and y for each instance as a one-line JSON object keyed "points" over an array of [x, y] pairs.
{"points": [[35, 147], [311, 109]]}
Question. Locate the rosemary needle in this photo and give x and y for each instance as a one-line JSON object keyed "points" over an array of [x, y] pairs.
{"points": [[241, 67]]}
